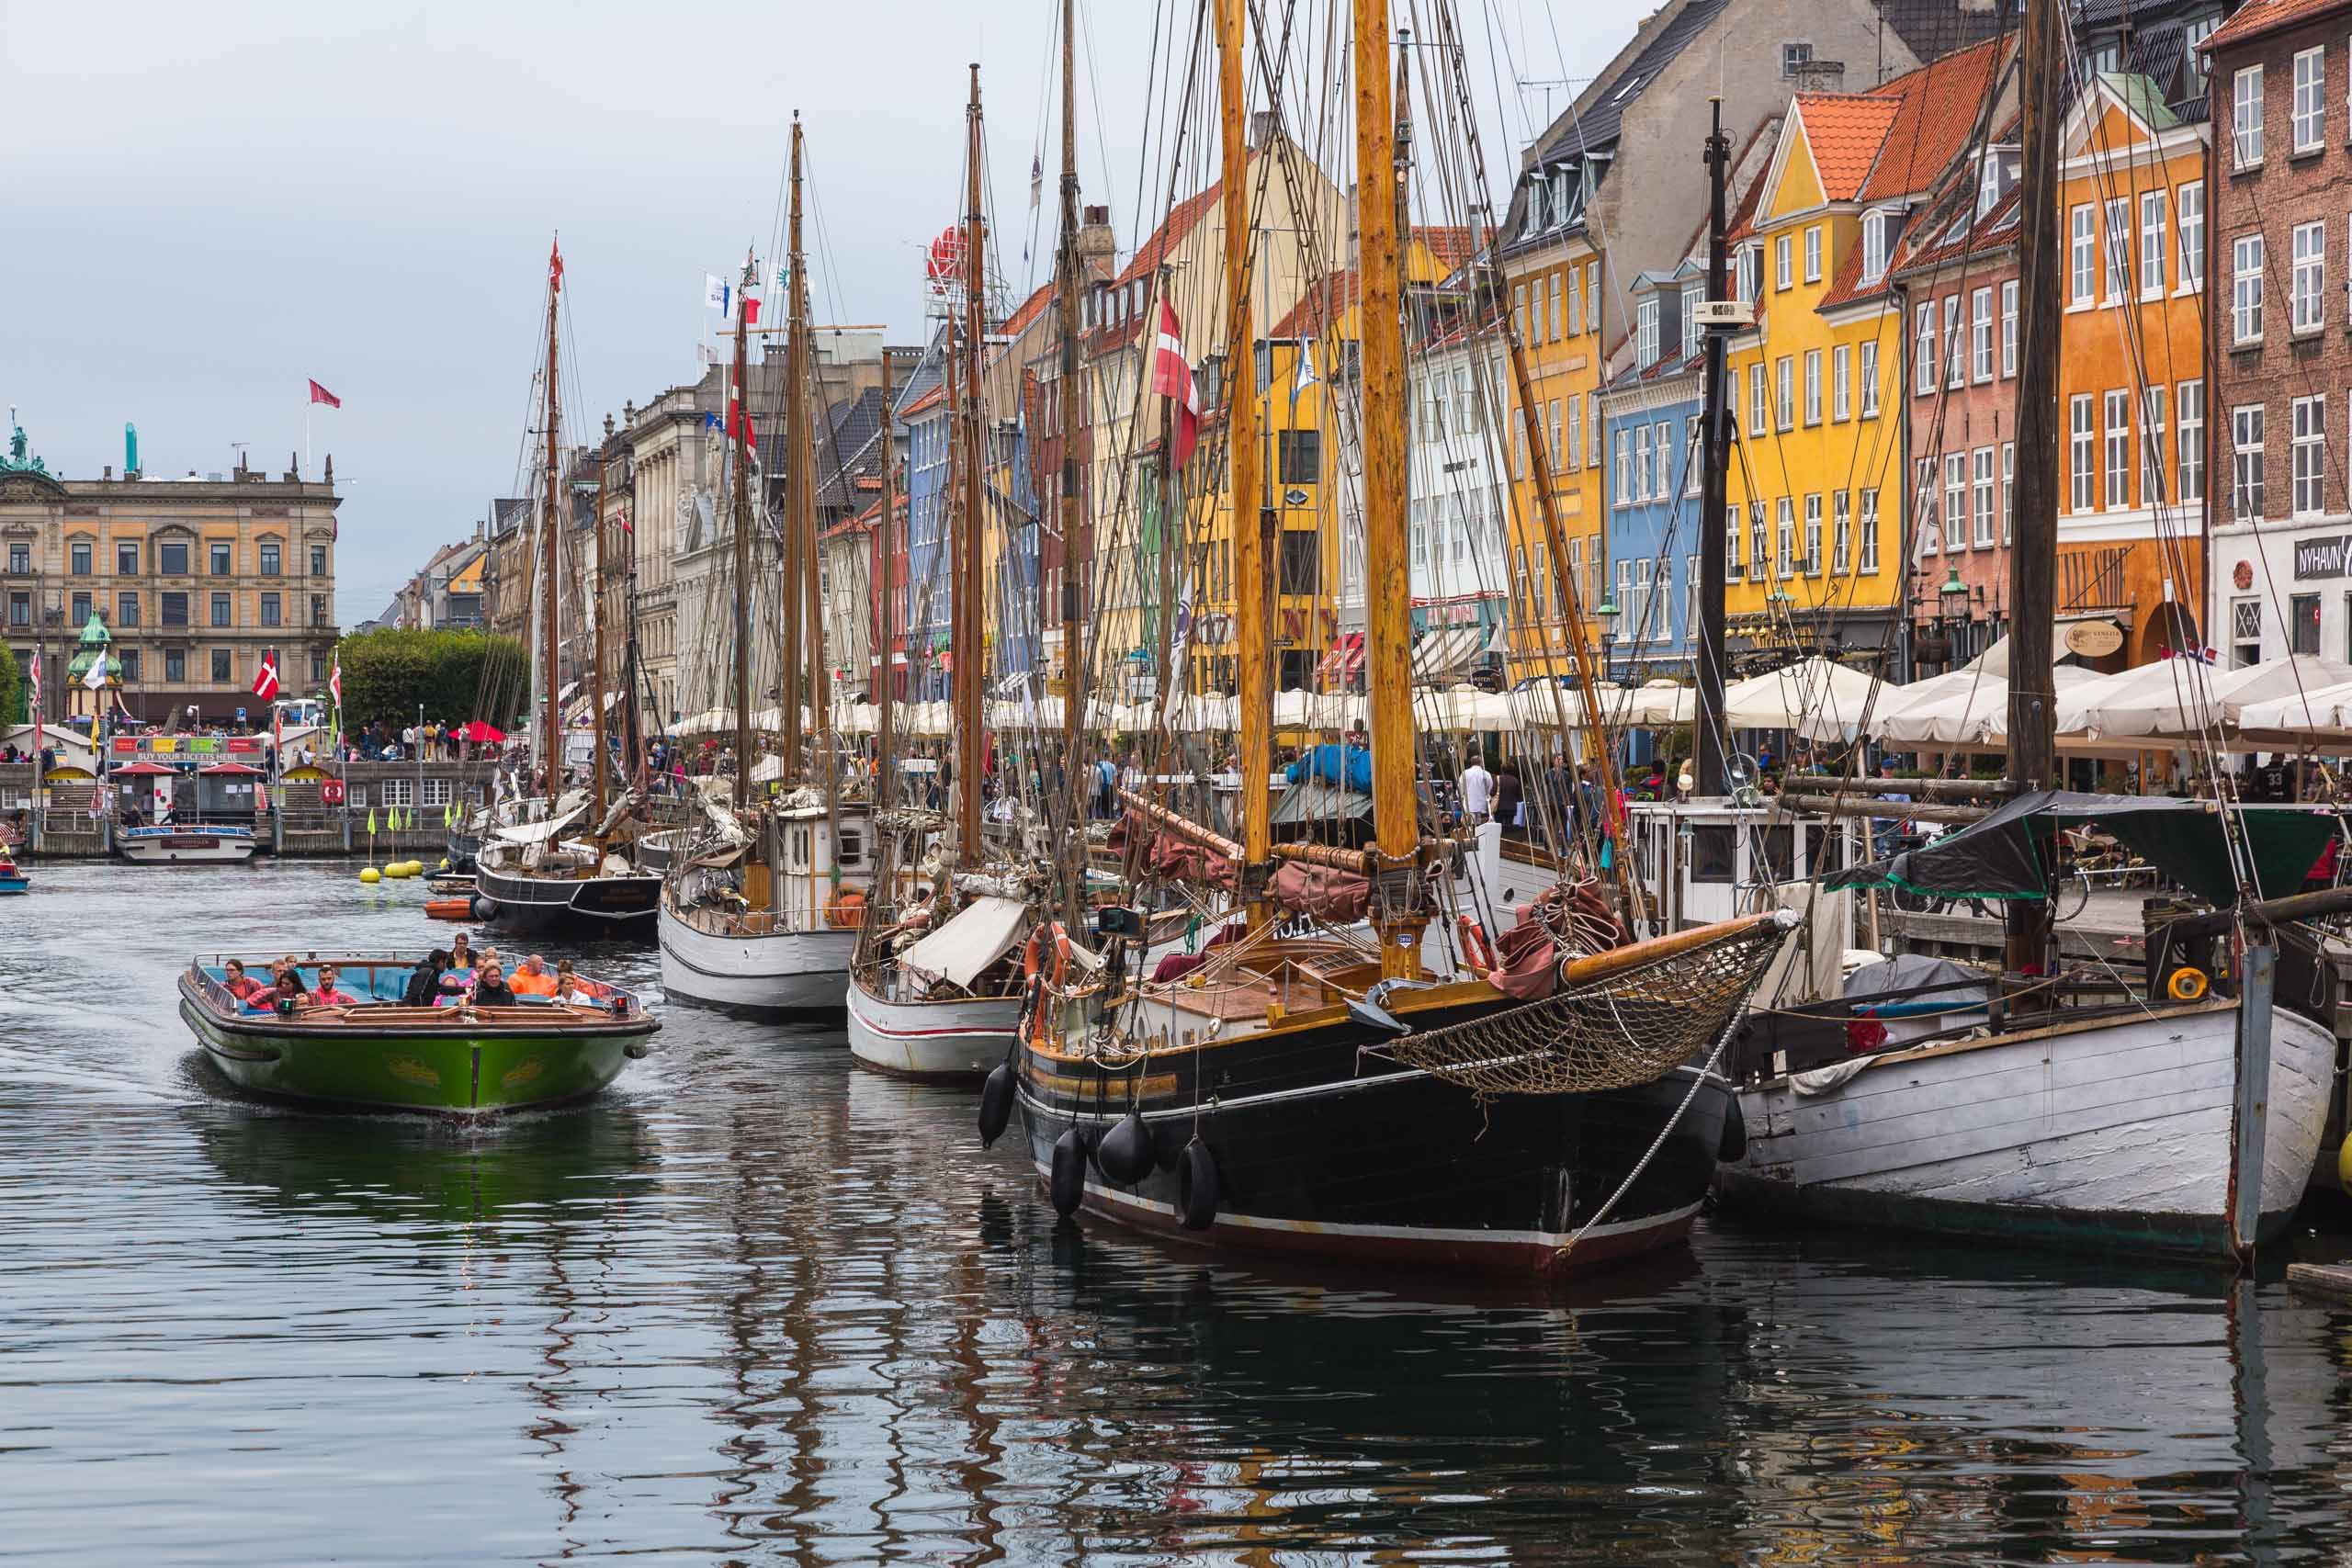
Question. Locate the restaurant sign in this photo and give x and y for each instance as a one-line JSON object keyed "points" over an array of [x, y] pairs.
{"points": [[2321, 558]]}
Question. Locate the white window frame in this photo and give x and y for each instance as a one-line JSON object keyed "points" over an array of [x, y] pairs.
{"points": [[2246, 289], [1784, 262], [1955, 361], [2082, 252], [1873, 246], [1695, 445], [1841, 383], [2009, 328], [2189, 203], [1955, 502], [1624, 467], [2118, 218], [2009, 492], [1841, 533], [2246, 118], [1868, 370], [1813, 253], [1758, 406], [2307, 284], [1812, 534], [1868, 564], [1785, 392], [2249, 489], [2155, 476], [2189, 453], [1980, 335], [1981, 501], [2116, 466], [1923, 348], [2307, 459], [1662, 460], [2082, 454], [2307, 124], [1784, 537], [1812, 386], [2154, 237], [1575, 442], [1646, 331]]}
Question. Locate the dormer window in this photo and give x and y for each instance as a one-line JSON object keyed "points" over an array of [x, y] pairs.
{"points": [[1646, 331], [1874, 237], [1539, 204], [1689, 319], [1633, 85]]}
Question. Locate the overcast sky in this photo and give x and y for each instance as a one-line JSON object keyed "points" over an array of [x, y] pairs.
{"points": [[208, 205]]}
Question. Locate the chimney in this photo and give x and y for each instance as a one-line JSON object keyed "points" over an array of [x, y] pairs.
{"points": [[1820, 76], [1263, 126], [1097, 250]]}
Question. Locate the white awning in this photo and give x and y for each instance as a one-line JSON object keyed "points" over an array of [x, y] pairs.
{"points": [[540, 832], [981, 932]]}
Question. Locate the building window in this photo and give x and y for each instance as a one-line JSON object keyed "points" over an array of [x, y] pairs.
{"points": [[1955, 360], [20, 609], [221, 616], [2009, 328], [1694, 450], [128, 657], [269, 616], [1552, 419], [172, 608], [2310, 78], [2009, 492], [1869, 379], [1298, 455], [398, 792], [80, 553], [2080, 454], [1757, 547], [1783, 272], [1784, 537], [318, 678], [2302, 623], [2082, 254], [2191, 206], [1690, 321], [1981, 511], [2246, 450], [2308, 280], [20, 560], [2119, 449], [1661, 460], [1794, 57], [1731, 543], [1813, 253], [1955, 501], [1812, 386], [2246, 290], [1841, 383], [126, 609], [126, 559], [1873, 246], [1980, 334], [82, 609], [1869, 533], [2118, 248], [1925, 507], [1624, 467], [1923, 349], [269, 561], [2246, 117], [2154, 472], [1813, 535], [1519, 310], [1641, 483], [1758, 409], [221, 557], [319, 608], [1591, 427], [2152, 243], [2190, 484], [2245, 632], [318, 560], [1646, 331], [174, 665], [1557, 319], [2307, 454], [1575, 434], [1841, 533], [171, 560], [1785, 392], [221, 674]]}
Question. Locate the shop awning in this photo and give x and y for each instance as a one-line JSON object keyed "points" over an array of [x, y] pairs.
{"points": [[1441, 657], [1335, 663], [977, 936], [144, 771]]}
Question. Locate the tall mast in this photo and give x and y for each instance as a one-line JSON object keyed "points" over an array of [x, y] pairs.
{"points": [[1388, 661], [801, 461], [965, 604], [2033, 737], [596, 657], [795, 442], [887, 617], [1251, 518], [739, 415], [551, 540], [1707, 733], [1074, 772]]}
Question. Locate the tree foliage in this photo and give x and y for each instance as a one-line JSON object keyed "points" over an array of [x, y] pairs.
{"points": [[13, 692], [454, 675]]}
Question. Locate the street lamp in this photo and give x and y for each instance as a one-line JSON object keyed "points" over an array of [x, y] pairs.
{"points": [[1951, 608], [1607, 615]]}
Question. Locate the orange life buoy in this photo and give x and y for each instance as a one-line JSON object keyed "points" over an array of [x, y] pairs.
{"points": [[1033, 957], [1476, 950]]}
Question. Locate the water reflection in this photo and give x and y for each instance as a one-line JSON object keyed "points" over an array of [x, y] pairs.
{"points": [[757, 1306]]}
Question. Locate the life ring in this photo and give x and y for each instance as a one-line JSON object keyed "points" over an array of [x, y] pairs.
{"points": [[1476, 950], [1032, 957], [331, 792], [2186, 985], [847, 908]]}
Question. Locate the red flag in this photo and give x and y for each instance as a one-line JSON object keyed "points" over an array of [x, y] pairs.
{"points": [[334, 680], [751, 311], [321, 395], [1172, 376], [265, 678], [555, 265], [734, 411]]}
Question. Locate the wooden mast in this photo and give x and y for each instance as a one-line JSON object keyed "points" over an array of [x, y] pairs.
{"points": [[739, 414], [965, 604], [795, 442], [1075, 771], [1388, 656], [596, 656], [801, 460], [1250, 516], [550, 542], [2034, 740], [886, 620]]}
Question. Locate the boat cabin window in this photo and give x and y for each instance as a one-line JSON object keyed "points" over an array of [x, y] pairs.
{"points": [[801, 849], [1779, 853], [1713, 853], [852, 848]]}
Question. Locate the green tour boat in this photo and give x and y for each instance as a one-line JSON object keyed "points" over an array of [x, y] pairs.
{"points": [[379, 1053]]}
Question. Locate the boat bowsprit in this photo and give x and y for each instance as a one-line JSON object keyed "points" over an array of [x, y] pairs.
{"points": [[379, 1053]]}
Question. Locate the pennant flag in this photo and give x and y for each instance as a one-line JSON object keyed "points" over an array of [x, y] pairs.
{"points": [[620, 515], [265, 678], [735, 411], [715, 292], [1307, 377], [334, 680], [371, 821], [555, 265], [1172, 376], [321, 395]]}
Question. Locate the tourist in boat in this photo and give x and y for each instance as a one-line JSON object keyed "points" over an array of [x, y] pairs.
{"points": [[533, 978], [492, 989], [425, 981], [329, 995], [568, 985], [460, 955], [288, 995], [239, 983]]}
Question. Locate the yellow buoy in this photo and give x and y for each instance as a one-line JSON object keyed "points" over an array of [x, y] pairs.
{"points": [[2186, 985], [2344, 1163], [371, 875]]}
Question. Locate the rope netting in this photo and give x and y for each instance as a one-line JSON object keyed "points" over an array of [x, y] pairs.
{"points": [[1633, 1027]]}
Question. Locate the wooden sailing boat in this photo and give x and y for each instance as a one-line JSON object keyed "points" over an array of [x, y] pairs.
{"points": [[530, 877], [760, 915], [1317, 1095], [934, 995], [2179, 1114]]}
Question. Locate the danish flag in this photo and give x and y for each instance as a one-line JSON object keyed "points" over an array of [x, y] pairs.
{"points": [[1172, 376], [265, 678]]}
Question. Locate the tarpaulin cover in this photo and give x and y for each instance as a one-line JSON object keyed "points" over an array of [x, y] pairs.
{"points": [[977, 936], [1340, 897], [1998, 858], [1349, 766]]}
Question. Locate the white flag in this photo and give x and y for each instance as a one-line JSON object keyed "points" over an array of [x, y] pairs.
{"points": [[1307, 377], [97, 679], [705, 354], [713, 292]]}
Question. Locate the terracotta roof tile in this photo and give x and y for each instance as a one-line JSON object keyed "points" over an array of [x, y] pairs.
{"points": [[1844, 132], [2257, 17], [937, 395], [1941, 105], [1028, 311], [1319, 308]]}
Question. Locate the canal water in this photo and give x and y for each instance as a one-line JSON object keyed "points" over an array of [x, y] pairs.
{"points": [[755, 1305]]}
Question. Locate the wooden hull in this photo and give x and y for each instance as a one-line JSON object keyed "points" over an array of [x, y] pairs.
{"points": [[775, 974], [1323, 1154], [954, 1042], [585, 907], [2112, 1134]]}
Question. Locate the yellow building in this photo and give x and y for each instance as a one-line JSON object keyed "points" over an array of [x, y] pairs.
{"points": [[1555, 293], [1813, 548]]}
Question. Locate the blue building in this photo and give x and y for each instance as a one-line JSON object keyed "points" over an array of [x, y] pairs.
{"points": [[922, 413], [1650, 411]]}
